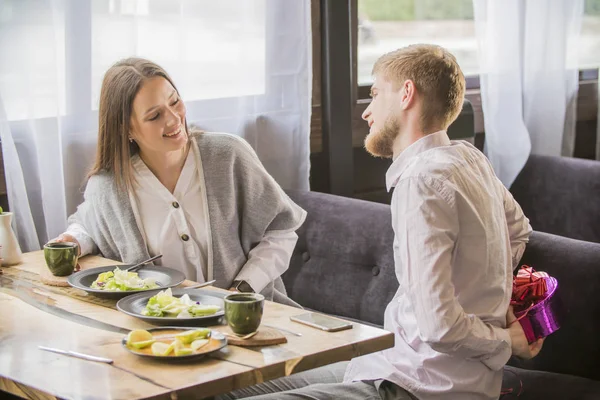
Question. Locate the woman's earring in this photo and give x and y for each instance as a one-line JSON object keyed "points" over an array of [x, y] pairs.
{"points": [[130, 139]]}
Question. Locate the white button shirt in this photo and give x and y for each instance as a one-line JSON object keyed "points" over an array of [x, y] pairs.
{"points": [[166, 219], [176, 225], [458, 236]]}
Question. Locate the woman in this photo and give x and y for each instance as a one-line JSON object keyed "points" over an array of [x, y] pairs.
{"points": [[202, 200]]}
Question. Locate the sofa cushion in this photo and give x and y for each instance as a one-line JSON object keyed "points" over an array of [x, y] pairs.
{"points": [[574, 348]]}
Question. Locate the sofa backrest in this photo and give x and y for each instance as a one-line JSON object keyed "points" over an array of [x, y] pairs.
{"points": [[343, 265], [560, 195]]}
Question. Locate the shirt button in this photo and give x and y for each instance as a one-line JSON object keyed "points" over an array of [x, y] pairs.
{"points": [[175, 204], [185, 237]]}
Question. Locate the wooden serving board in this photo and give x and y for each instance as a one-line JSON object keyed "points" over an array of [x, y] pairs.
{"points": [[264, 337], [48, 279]]}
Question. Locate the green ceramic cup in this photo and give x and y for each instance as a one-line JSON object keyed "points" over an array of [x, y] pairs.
{"points": [[61, 257], [244, 312]]}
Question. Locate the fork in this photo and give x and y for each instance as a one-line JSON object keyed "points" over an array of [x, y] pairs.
{"points": [[140, 265]]}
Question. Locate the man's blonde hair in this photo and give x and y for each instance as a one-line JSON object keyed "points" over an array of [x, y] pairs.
{"points": [[436, 75]]}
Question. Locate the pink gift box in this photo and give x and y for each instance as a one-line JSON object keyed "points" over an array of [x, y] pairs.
{"points": [[545, 316]]}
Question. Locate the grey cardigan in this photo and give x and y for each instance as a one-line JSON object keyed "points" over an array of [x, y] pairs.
{"points": [[244, 202]]}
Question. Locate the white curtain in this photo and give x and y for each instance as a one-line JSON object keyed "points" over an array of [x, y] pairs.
{"points": [[529, 79], [242, 67]]}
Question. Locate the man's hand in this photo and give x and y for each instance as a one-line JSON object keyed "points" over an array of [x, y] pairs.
{"points": [[520, 347]]}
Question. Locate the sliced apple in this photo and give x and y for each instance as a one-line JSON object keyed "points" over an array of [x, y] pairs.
{"points": [[181, 349], [161, 349], [138, 335], [143, 344], [188, 337], [196, 344], [185, 351]]}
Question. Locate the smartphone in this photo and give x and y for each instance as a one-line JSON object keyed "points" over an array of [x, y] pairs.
{"points": [[321, 321]]}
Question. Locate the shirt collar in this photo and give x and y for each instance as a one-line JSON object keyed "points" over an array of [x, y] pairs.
{"points": [[430, 141], [146, 179], [187, 173]]}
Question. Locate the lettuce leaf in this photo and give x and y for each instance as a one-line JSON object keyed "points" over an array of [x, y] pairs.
{"points": [[164, 304], [121, 281]]}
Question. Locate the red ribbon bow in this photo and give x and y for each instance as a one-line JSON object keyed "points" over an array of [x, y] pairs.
{"points": [[529, 287]]}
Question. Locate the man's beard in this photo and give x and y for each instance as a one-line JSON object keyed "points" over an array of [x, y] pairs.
{"points": [[381, 143]]}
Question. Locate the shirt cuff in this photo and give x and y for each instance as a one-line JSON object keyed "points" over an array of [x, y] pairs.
{"points": [[268, 260], [86, 244], [497, 360], [255, 277]]}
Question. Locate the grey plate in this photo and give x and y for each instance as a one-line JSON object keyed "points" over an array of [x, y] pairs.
{"points": [[134, 305], [218, 341], [164, 277]]}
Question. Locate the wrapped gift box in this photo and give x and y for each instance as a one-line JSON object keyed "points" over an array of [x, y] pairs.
{"points": [[536, 303]]}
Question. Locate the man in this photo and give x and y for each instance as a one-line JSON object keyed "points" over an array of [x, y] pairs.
{"points": [[458, 236]]}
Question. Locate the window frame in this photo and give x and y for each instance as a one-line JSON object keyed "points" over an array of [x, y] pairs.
{"points": [[322, 153]]}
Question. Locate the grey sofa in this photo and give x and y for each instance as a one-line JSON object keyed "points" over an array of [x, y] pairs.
{"points": [[343, 265], [561, 195]]}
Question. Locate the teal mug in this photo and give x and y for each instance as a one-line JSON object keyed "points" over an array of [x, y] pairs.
{"points": [[61, 257], [244, 311]]}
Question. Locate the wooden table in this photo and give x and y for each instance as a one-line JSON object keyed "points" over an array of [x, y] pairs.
{"points": [[33, 314]]}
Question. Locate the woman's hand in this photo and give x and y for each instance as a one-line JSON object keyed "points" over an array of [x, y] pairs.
{"points": [[520, 346], [64, 237]]}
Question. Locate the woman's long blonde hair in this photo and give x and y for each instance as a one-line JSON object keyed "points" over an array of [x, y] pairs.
{"points": [[121, 84]]}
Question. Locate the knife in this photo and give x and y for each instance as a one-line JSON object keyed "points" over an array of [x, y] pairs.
{"points": [[200, 285], [77, 355]]}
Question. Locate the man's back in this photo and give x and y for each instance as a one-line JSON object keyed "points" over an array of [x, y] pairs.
{"points": [[454, 222]]}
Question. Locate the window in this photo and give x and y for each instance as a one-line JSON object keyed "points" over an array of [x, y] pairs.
{"points": [[386, 25], [589, 40], [32, 66], [58, 51], [213, 49]]}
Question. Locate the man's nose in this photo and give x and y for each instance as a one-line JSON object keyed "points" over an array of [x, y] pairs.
{"points": [[367, 113]]}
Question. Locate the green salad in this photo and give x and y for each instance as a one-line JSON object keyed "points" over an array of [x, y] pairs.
{"points": [[122, 281], [165, 305]]}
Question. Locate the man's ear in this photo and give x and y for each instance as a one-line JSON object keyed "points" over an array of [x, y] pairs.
{"points": [[408, 94]]}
